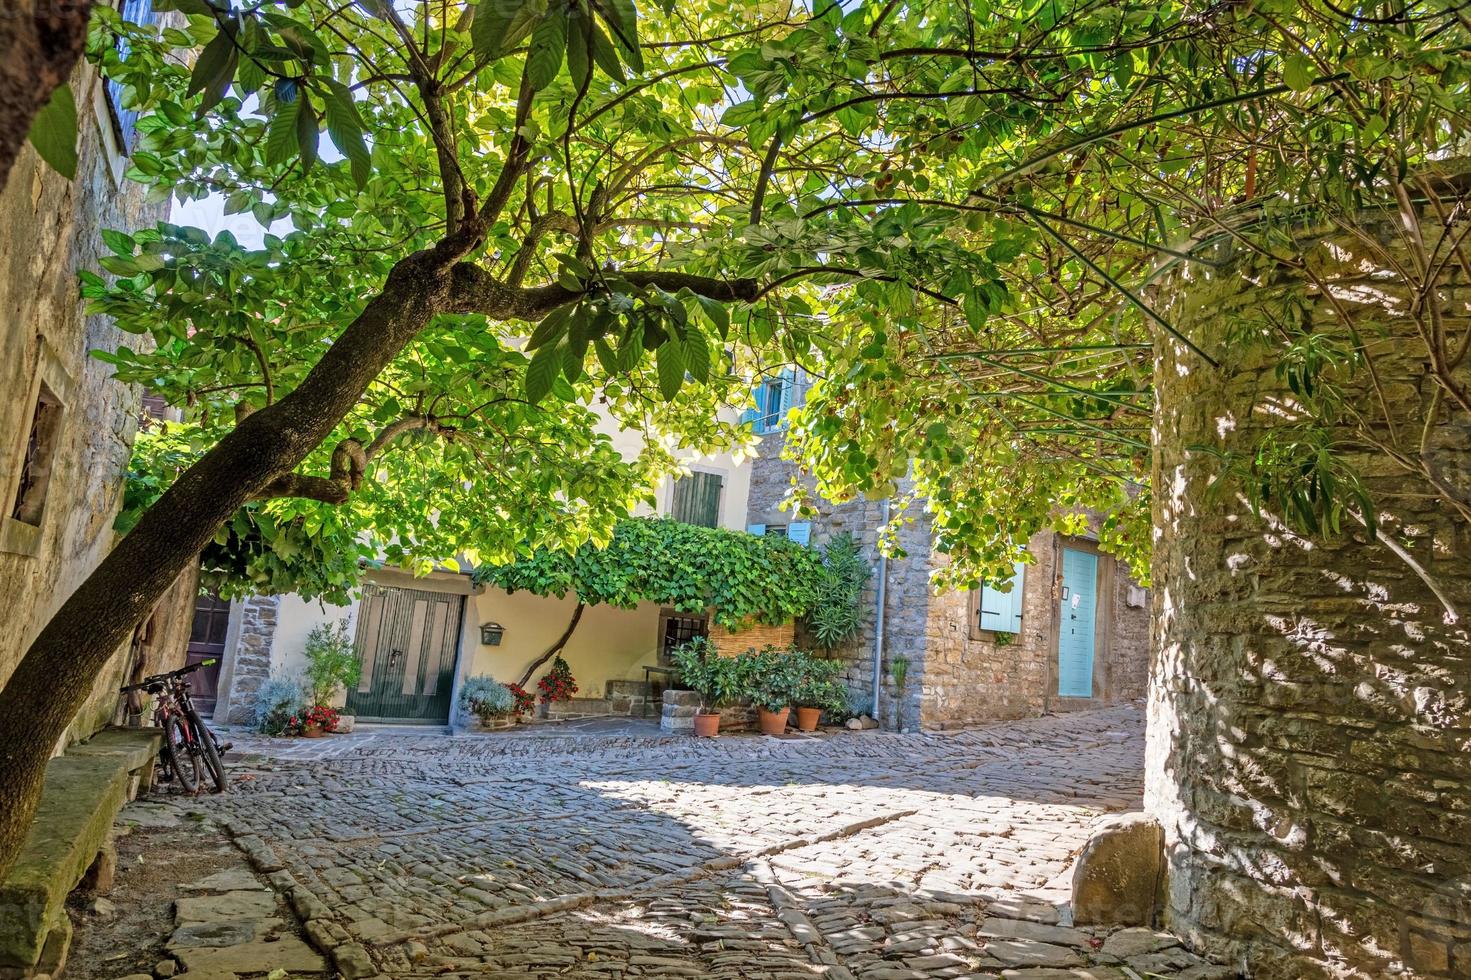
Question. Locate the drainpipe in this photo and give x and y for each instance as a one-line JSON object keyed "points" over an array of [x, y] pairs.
{"points": [[878, 626]]}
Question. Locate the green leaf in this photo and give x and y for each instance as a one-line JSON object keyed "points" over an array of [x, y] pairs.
{"points": [[281, 140], [605, 54], [345, 127], [742, 114], [670, 361], [1297, 72], [542, 372], [216, 61], [550, 328], [307, 134], [548, 45], [579, 49], [623, 21], [606, 357], [697, 355], [54, 132], [500, 25], [119, 242]]}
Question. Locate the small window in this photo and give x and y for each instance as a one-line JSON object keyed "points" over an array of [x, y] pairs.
{"points": [[696, 499], [774, 398], [125, 121], [998, 606], [798, 531], [676, 629], [40, 456]]}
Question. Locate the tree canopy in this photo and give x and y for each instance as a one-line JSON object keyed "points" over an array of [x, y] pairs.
{"points": [[950, 215]]}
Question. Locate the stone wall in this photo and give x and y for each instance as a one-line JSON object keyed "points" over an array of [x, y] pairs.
{"points": [[248, 657], [959, 676], [49, 232], [1310, 711]]}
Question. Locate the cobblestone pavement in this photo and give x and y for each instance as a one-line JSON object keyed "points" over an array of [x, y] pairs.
{"points": [[854, 855]]}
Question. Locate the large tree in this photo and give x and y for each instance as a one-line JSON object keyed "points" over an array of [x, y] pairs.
{"points": [[642, 190]]}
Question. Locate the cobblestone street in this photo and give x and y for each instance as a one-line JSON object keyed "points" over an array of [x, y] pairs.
{"points": [[873, 856]]}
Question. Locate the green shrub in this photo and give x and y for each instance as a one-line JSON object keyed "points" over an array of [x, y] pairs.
{"points": [[837, 612], [486, 698], [772, 676], [716, 679], [331, 663], [277, 702]]}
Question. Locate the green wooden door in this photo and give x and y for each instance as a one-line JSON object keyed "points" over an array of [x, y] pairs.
{"points": [[406, 640]]}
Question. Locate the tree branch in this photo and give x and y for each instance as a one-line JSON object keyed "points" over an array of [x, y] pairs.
{"points": [[474, 290]]}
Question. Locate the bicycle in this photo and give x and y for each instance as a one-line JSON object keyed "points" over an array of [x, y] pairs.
{"points": [[190, 748]]}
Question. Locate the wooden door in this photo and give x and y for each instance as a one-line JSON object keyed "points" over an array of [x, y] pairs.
{"points": [[1077, 626], [207, 642], [406, 640]]}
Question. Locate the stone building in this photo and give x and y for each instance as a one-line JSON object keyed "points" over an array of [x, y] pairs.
{"points": [[67, 426], [1072, 630]]}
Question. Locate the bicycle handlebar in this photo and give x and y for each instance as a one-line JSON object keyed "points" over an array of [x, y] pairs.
{"points": [[157, 679]]}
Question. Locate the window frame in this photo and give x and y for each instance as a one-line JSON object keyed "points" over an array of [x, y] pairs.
{"points": [[125, 121], [48, 374], [699, 471], [977, 598]]}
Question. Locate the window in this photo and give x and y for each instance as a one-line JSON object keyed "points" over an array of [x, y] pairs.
{"points": [[798, 531], [126, 120], [676, 629], [998, 606], [39, 459], [695, 499], [774, 398]]}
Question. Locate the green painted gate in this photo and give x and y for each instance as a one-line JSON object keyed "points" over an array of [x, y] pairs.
{"points": [[406, 640]]}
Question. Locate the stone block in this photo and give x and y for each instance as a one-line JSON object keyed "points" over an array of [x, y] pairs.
{"points": [[1117, 875], [683, 699], [81, 796]]}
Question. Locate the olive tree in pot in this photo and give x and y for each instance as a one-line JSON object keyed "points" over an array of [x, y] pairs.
{"points": [[771, 683], [332, 666], [716, 679], [818, 689], [490, 701]]}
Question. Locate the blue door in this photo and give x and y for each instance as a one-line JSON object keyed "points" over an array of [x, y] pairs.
{"points": [[1076, 633]]}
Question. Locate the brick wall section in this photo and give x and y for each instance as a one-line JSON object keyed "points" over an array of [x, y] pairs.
{"points": [[49, 231], [1310, 710]]}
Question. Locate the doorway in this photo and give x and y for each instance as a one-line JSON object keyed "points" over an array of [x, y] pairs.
{"points": [[206, 642], [1077, 624], [407, 640]]}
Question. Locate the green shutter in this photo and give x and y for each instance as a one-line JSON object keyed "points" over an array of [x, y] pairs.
{"points": [[696, 499]]}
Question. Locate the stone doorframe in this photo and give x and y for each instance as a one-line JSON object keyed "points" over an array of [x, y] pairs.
{"points": [[1103, 626], [246, 662]]}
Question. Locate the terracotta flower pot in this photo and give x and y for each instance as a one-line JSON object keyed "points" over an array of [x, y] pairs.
{"points": [[707, 725], [313, 731], [807, 719], [774, 722]]}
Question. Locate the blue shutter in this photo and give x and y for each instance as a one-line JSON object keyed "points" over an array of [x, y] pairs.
{"points": [[1075, 640], [788, 387], [757, 529], [800, 531], [1001, 612]]}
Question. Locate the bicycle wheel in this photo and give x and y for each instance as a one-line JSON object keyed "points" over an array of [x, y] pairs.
{"points": [[205, 739], [177, 755]]}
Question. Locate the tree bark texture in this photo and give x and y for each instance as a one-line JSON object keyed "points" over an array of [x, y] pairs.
{"points": [[555, 648], [40, 42]]}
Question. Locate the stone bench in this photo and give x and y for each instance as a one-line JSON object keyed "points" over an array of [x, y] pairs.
{"points": [[84, 790]]}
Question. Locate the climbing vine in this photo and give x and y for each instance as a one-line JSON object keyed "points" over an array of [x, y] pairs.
{"points": [[740, 576]]}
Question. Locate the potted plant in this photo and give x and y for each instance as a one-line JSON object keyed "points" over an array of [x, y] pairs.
{"points": [[490, 701], [818, 689], [278, 706], [318, 720], [332, 666], [714, 678], [771, 682], [557, 684]]}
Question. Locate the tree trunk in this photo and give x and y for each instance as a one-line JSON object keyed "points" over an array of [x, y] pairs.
{"points": [[40, 41], [555, 648], [59, 668]]}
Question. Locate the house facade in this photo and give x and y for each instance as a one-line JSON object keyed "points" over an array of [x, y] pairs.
{"points": [[1070, 631], [419, 637], [66, 427]]}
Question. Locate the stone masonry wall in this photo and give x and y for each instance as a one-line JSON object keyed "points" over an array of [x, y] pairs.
{"points": [[50, 231], [959, 676], [1310, 712], [250, 663], [906, 602]]}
